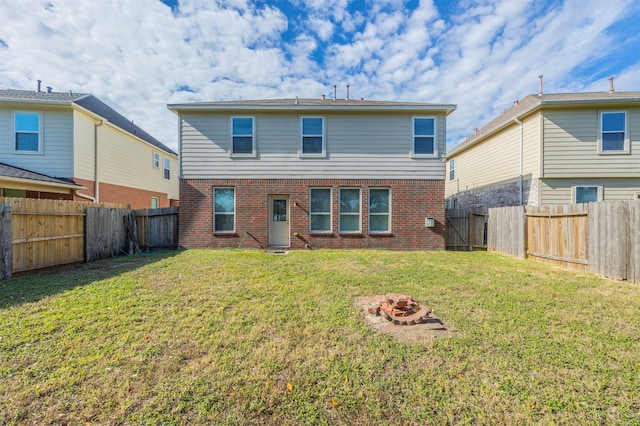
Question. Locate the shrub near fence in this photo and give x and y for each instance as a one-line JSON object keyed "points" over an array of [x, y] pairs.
{"points": [[602, 238]]}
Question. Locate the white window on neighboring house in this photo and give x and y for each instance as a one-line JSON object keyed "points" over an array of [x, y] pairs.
{"points": [[224, 209], [312, 138], [242, 137], [452, 169], [155, 202], [424, 136], [27, 128], [587, 194], [167, 168], [156, 160], [350, 210], [379, 210], [613, 132], [320, 210]]}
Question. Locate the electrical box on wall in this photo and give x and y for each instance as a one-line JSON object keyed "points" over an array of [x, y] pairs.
{"points": [[429, 222]]}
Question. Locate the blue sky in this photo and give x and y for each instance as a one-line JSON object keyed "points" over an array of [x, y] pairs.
{"points": [[482, 55]]}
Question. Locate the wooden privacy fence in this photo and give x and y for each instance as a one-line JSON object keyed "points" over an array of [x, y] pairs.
{"points": [[598, 237], [37, 234], [465, 230]]}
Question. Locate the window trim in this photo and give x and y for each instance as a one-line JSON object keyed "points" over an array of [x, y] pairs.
{"points": [[39, 133], [359, 230], [157, 199], [253, 152], [155, 160], [452, 169], [323, 136], [388, 214], [166, 171], [233, 231], [574, 192], [626, 143], [414, 135], [311, 212]]}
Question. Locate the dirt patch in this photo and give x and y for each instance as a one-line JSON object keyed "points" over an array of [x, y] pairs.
{"points": [[428, 329]]}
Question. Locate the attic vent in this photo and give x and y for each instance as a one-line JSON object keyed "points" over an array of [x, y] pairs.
{"points": [[49, 89]]}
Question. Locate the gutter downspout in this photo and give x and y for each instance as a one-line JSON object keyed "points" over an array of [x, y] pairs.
{"points": [[521, 155], [88, 197], [96, 183]]}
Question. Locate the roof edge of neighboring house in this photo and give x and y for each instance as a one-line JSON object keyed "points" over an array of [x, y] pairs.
{"points": [[531, 103], [18, 174]]}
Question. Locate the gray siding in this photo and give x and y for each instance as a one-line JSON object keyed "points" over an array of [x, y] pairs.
{"points": [[357, 145], [559, 191], [571, 145], [57, 139]]}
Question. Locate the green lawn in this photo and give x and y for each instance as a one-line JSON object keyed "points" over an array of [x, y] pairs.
{"points": [[243, 337]]}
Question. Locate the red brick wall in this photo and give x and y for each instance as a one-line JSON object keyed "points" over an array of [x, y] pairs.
{"points": [[411, 202], [108, 193]]}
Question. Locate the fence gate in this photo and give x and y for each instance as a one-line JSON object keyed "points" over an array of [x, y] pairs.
{"points": [[465, 230]]}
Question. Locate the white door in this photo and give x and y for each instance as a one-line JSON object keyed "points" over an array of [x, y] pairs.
{"points": [[279, 221]]}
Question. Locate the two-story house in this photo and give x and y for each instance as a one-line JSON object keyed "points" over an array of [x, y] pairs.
{"points": [[550, 149], [316, 173], [73, 146]]}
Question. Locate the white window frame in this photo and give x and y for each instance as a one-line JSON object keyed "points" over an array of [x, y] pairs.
{"points": [[252, 135], [626, 145], [414, 135], [224, 213], [388, 214], [359, 214], [156, 160], [574, 192], [157, 202], [322, 135], [166, 168], [452, 169], [330, 212], [39, 151]]}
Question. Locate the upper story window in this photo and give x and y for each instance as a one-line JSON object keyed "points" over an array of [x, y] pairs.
{"points": [[350, 210], [312, 136], [242, 136], [167, 168], [613, 132], [452, 169], [320, 210], [27, 132], [424, 136], [156, 160]]}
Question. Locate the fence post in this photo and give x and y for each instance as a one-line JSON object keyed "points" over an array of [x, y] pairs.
{"points": [[6, 254]]}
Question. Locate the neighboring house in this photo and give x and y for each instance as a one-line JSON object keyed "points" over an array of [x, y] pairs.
{"points": [[320, 173], [73, 146], [550, 149]]}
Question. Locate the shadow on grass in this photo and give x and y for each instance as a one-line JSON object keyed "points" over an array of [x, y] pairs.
{"points": [[31, 287]]}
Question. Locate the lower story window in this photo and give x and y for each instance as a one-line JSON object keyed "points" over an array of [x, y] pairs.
{"points": [[155, 202], [320, 212], [350, 210], [586, 194], [379, 209], [224, 210]]}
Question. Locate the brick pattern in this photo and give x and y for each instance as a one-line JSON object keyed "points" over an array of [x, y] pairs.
{"points": [[137, 198], [411, 202], [502, 195]]}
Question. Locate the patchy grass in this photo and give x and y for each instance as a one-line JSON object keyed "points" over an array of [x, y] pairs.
{"points": [[240, 337]]}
